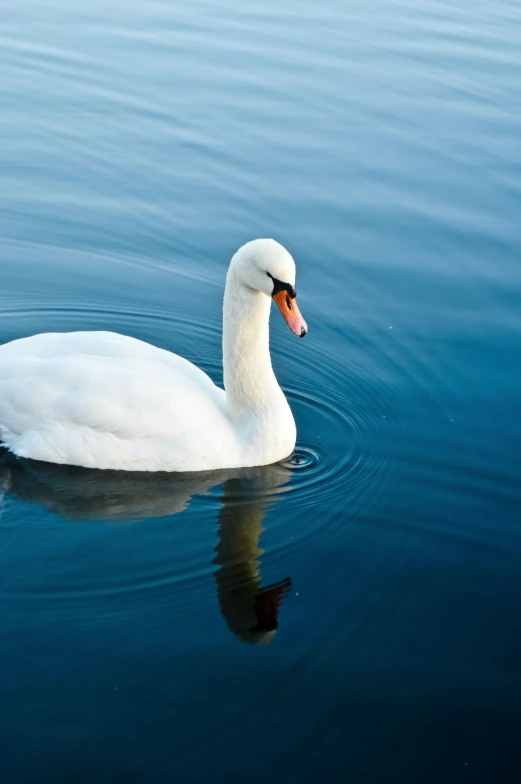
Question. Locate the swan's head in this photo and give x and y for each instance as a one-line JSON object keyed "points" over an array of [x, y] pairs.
{"points": [[266, 266]]}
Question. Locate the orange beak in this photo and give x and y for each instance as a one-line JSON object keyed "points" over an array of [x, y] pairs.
{"points": [[289, 309]]}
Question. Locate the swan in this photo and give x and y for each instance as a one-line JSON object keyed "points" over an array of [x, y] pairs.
{"points": [[108, 401]]}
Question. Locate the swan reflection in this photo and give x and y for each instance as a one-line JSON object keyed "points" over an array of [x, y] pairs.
{"points": [[249, 609]]}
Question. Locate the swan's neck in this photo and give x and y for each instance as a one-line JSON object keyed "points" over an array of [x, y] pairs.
{"points": [[249, 381]]}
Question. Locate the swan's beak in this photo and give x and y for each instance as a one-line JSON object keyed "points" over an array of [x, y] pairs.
{"points": [[289, 309]]}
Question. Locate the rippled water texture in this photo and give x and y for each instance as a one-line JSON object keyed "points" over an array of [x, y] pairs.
{"points": [[353, 613]]}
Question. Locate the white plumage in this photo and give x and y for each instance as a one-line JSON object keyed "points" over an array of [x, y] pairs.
{"points": [[103, 400]]}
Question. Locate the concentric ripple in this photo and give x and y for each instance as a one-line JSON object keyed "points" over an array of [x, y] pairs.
{"points": [[303, 459]]}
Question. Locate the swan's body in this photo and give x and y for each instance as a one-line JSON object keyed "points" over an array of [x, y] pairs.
{"points": [[102, 400]]}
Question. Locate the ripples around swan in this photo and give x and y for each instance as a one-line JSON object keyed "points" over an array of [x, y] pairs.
{"points": [[331, 464], [339, 417]]}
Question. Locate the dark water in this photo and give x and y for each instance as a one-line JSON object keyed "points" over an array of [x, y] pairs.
{"points": [[354, 614]]}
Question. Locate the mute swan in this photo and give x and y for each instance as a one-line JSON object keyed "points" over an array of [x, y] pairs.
{"points": [[103, 400]]}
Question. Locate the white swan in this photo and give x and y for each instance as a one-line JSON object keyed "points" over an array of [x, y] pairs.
{"points": [[103, 400]]}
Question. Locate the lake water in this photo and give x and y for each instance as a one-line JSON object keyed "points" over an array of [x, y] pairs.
{"points": [[352, 615]]}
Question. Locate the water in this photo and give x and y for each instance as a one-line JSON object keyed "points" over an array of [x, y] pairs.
{"points": [[352, 614]]}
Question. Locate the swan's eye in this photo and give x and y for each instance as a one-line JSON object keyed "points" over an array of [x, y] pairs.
{"points": [[279, 285]]}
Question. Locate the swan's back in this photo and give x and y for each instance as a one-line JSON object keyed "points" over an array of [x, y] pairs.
{"points": [[103, 400]]}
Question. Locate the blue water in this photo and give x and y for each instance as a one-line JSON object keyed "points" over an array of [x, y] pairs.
{"points": [[354, 613]]}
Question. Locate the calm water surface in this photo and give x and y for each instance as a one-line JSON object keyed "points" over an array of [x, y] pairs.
{"points": [[352, 614]]}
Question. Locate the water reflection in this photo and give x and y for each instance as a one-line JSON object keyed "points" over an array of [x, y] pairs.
{"points": [[249, 609]]}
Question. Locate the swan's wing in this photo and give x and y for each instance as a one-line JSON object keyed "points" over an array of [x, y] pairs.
{"points": [[90, 398]]}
